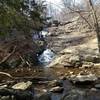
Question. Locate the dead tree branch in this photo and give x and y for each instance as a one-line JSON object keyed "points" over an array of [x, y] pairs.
{"points": [[79, 12], [25, 61], [6, 74], [8, 56]]}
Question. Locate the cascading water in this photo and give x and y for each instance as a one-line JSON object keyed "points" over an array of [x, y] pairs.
{"points": [[46, 57]]}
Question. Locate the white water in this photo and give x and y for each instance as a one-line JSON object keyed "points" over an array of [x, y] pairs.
{"points": [[46, 57]]}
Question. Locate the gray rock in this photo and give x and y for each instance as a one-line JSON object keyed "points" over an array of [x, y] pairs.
{"points": [[92, 58], [23, 95], [57, 89], [63, 78], [3, 86], [5, 98], [93, 89], [75, 60], [87, 65], [81, 94], [88, 58], [74, 95], [55, 83], [83, 78], [97, 86], [22, 85], [46, 96]]}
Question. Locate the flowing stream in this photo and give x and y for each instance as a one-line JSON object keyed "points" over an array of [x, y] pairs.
{"points": [[71, 91], [46, 57]]}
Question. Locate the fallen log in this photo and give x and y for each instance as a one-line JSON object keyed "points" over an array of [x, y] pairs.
{"points": [[8, 56], [6, 74], [30, 77], [38, 80]]}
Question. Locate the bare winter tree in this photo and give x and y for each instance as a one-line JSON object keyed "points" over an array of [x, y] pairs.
{"points": [[89, 7], [96, 22]]}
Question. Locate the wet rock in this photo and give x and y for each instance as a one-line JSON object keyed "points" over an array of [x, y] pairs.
{"points": [[17, 94], [55, 83], [40, 90], [57, 89], [23, 95], [3, 86], [93, 89], [97, 86], [74, 95], [63, 77], [57, 61], [81, 94], [46, 96], [5, 98], [6, 92], [83, 78], [22, 85]]}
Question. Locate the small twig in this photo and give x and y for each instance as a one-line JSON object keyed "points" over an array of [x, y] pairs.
{"points": [[25, 61]]}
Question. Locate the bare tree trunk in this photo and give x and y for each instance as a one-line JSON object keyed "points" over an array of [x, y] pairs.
{"points": [[96, 24]]}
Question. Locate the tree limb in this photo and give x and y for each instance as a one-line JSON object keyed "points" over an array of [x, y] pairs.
{"points": [[8, 56], [79, 12], [6, 74]]}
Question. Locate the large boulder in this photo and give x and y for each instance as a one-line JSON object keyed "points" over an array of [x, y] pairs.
{"points": [[74, 95], [81, 94], [67, 60], [22, 85], [83, 78]]}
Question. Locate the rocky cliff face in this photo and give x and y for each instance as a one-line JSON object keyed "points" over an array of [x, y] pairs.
{"points": [[73, 44], [72, 35]]}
